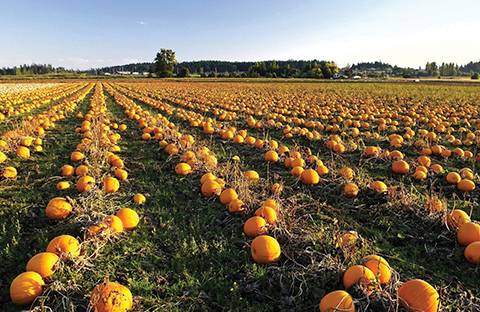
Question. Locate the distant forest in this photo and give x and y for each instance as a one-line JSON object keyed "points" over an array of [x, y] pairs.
{"points": [[270, 69]]}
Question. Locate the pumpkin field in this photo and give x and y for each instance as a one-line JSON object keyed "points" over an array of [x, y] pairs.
{"points": [[220, 195]]}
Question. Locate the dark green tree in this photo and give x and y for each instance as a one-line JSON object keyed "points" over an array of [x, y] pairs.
{"points": [[165, 62], [183, 72]]}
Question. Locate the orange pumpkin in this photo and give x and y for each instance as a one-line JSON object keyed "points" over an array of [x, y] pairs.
{"points": [[337, 301], [359, 275], [418, 295], [309, 177], [111, 297], [228, 195], [379, 266], [58, 208], [43, 263], [472, 252], [26, 287], [265, 249], [255, 226], [64, 245], [468, 233], [129, 218]]}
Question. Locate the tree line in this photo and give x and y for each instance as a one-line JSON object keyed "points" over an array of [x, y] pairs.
{"points": [[33, 69]]}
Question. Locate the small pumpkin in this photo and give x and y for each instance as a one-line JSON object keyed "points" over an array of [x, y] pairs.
{"points": [[77, 156], [129, 218], [114, 224], [400, 166], [110, 184], [236, 205], [67, 170], [255, 226], [183, 169], [251, 175], [23, 152], [139, 199], [85, 184], [268, 213], [457, 218]]}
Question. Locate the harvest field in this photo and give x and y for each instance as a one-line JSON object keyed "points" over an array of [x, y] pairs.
{"points": [[241, 196]]}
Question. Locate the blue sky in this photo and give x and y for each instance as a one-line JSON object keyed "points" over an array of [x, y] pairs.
{"points": [[94, 33]]}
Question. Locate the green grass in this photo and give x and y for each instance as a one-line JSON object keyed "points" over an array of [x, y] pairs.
{"points": [[189, 254]]}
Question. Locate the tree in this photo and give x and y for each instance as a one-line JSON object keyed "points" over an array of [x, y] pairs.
{"points": [[475, 76], [165, 62], [183, 72]]}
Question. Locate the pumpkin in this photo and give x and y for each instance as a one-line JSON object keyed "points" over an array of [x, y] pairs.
{"points": [[400, 166], [183, 169], [337, 301], [64, 245], [346, 173], [129, 218], [466, 185], [271, 203], [23, 152], [63, 185], [255, 226], [268, 213], [346, 239], [236, 205], [424, 161], [378, 186], [58, 208], [228, 195], [251, 175], [9, 172], [110, 184], [457, 218], [77, 156], [271, 156], [436, 168], [453, 178], [420, 175], [207, 176], [121, 174], [85, 184], [265, 249], [297, 171], [139, 199], [113, 223], [310, 177], [3, 157], [111, 297], [418, 295], [350, 190], [26, 287], [359, 275], [468, 233], [322, 170], [81, 170], [67, 170], [472, 252], [43, 263], [380, 268], [210, 188]]}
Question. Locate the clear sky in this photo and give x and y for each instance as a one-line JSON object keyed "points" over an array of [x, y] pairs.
{"points": [[93, 33]]}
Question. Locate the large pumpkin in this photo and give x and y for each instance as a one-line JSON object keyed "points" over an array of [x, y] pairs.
{"points": [[418, 295], [64, 245], [111, 297], [58, 208], [26, 287], [43, 263], [129, 218], [337, 301], [265, 249], [379, 266]]}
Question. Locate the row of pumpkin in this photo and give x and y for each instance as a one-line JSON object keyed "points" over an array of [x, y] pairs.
{"points": [[98, 141]]}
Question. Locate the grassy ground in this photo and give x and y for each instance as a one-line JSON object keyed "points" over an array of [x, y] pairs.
{"points": [[189, 254]]}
